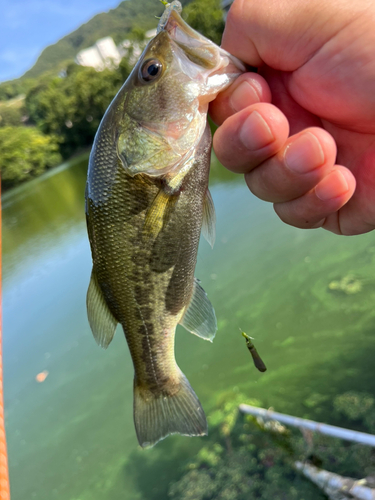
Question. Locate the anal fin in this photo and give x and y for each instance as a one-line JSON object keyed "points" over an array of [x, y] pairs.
{"points": [[102, 322], [199, 317]]}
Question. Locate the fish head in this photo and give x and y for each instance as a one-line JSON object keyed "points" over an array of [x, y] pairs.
{"points": [[167, 97]]}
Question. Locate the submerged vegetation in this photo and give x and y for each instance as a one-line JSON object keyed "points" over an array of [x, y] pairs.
{"points": [[245, 458]]}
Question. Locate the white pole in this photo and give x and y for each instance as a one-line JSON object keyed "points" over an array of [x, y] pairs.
{"points": [[329, 430], [334, 485]]}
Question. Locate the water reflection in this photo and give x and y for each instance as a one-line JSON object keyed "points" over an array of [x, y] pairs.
{"points": [[40, 213]]}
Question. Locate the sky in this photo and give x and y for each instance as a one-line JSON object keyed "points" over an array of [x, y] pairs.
{"points": [[28, 26]]}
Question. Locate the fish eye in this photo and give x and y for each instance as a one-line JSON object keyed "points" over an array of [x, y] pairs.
{"points": [[150, 70]]}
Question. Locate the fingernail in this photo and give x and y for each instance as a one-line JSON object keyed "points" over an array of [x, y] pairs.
{"points": [[255, 133], [244, 95], [304, 154], [332, 186]]}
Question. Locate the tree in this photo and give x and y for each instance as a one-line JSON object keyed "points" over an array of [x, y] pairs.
{"points": [[205, 16], [24, 153], [13, 88], [72, 107], [10, 116]]}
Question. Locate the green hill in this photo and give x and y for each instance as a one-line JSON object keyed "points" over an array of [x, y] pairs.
{"points": [[116, 23]]}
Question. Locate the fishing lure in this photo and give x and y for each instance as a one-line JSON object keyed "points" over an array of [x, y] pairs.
{"points": [[258, 362]]}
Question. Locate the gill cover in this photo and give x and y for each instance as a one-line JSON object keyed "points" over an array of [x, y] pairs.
{"points": [[169, 90]]}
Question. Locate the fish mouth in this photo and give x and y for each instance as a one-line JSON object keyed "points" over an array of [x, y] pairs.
{"points": [[220, 67]]}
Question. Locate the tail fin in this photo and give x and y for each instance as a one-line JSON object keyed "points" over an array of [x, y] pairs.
{"points": [[156, 415]]}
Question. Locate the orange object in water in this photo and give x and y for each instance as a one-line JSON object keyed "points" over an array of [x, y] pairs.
{"points": [[41, 377], [4, 475]]}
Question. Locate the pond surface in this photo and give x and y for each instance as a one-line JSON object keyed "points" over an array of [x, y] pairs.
{"points": [[307, 297]]}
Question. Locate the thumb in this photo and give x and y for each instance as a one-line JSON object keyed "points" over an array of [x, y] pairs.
{"points": [[284, 34]]}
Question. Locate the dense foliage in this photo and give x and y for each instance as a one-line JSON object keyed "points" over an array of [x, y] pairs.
{"points": [[206, 16], [72, 107], [63, 116], [13, 88], [11, 115], [25, 153]]}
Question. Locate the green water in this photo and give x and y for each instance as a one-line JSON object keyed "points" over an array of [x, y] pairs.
{"points": [[72, 436]]}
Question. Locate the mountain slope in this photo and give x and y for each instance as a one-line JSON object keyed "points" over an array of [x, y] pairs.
{"points": [[116, 23]]}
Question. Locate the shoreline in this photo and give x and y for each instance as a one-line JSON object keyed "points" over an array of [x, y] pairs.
{"points": [[8, 193]]}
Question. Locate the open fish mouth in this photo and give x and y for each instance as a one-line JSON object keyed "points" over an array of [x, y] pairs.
{"points": [[221, 67]]}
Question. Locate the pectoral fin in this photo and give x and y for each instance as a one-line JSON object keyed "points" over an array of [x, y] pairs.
{"points": [[102, 322], [199, 317], [157, 214], [209, 219]]}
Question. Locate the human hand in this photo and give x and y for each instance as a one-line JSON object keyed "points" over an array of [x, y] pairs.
{"points": [[316, 62]]}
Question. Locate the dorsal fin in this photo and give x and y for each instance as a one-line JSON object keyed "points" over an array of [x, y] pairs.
{"points": [[199, 317], [209, 219]]}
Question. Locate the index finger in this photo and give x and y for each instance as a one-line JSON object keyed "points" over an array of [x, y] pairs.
{"points": [[236, 39], [248, 89], [282, 34]]}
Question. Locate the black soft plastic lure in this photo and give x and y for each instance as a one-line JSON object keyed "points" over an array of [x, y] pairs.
{"points": [[258, 362]]}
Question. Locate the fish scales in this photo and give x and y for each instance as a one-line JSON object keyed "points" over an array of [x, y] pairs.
{"points": [[153, 291], [146, 197]]}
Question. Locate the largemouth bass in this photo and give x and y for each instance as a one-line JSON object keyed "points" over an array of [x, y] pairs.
{"points": [[146, 198]]}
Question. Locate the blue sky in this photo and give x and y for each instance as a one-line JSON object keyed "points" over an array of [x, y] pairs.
{"points": [[28, 26]]}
